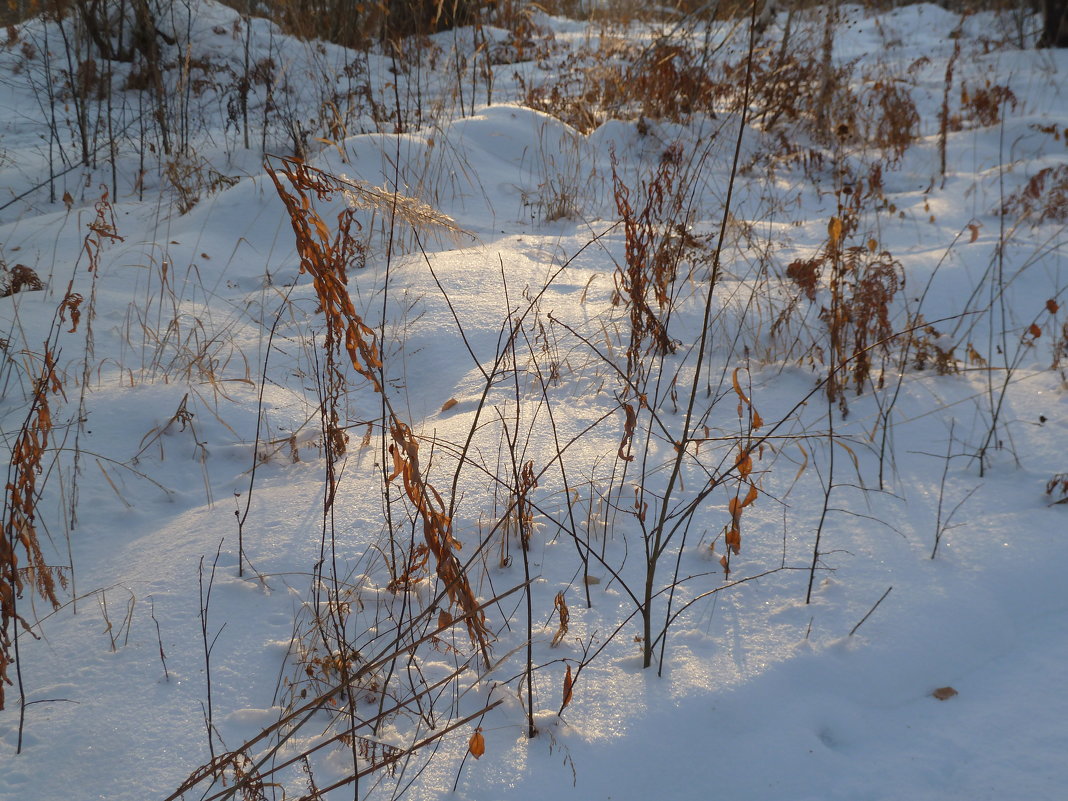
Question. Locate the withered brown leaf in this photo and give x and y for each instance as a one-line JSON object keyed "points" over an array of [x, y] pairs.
{"points": [[738, 388], [744, 463], [734, 540], [628, 432], [750, 496], [565, 616], [834, 231], [477, 744]]}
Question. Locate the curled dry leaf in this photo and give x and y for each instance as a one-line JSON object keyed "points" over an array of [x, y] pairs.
{"points": [[738, 388], [448, 404], [834, 231], [750, 496], [71, 304], [744, 463], [745, 402], [944, 693], [568, 683], [565, 616], [1052, 306], [734, 540], [444, 619], [628, 432], [735, 507], [974, 357], [477, 744]]}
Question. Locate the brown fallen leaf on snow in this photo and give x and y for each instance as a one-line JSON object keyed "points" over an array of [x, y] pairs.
{"points": [[944, 693]]}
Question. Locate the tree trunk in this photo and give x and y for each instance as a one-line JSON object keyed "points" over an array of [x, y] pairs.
{"points": [[1055, 28]]}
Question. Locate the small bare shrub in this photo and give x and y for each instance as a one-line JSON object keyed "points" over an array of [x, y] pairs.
{"points": [[932, 348], [666, 81], [1043, 199], [1057, 488], [191, 178], [861, 283], [894, 120]]}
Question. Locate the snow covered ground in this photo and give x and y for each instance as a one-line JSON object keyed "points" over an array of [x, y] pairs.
{"points": [[194, 413]]}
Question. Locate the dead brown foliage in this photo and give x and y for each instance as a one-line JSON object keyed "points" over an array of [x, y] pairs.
{"points": [[325, 255], [666, 81], [437, 532], [1044, 198], [984, 105], [861, 282], [20, 519], [651, 255], [1057, 488], [560, 604], [931, 349], [19, 278], [894, 120]]}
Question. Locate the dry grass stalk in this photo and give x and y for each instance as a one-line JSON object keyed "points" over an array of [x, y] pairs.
{"points": [[20, 514], [943, 115], [325, 257]]}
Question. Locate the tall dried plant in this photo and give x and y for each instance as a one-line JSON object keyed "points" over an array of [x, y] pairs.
{"points": [[651, 255], [862, 281], [325, 255], [20, 520]]}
